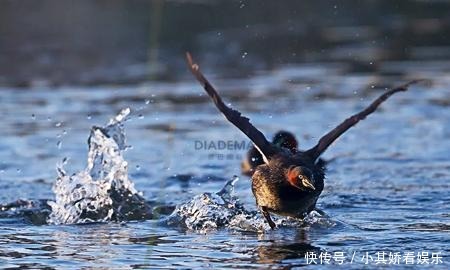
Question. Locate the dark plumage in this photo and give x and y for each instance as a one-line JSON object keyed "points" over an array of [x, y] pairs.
{"points": [[288, 198], [288, 182], [253, 158]]}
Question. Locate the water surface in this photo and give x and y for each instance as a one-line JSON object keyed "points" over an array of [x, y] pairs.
{"points": [[387, 186]]}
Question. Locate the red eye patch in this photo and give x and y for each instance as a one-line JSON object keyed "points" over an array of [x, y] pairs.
{"points": [[292, 177]]}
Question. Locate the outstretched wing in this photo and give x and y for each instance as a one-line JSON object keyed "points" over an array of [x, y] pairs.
{"points": [[331, 136], [241, 122]]}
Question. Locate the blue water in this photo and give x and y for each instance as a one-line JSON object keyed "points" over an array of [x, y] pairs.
{"points": [[387, 186]]}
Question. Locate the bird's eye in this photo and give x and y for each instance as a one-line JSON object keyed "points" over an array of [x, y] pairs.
{"points": [[300, 177]]}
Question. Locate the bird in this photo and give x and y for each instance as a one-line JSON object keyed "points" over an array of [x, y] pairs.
{"points": [[287, 183], [253, 158]]}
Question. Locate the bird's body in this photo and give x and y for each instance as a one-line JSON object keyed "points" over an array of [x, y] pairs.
{"points": [[276, 195]]}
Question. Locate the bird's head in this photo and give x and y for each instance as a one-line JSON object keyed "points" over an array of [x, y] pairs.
{"points": [[301, 178]]}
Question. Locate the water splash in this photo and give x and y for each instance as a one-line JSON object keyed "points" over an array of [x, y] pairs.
{"points": [[211, 211], [102, 191]]}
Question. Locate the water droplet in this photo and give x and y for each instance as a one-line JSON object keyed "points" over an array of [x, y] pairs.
{"points": [[147, 101], [49, 118], [58, 124], [242, 5], [19, 170], [141, 116], [89, 117], [138, 168], [244, 55], [33, 116], [58, 144]]}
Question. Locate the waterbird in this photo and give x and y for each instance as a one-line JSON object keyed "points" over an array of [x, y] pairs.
{"points": [[287, 183]]}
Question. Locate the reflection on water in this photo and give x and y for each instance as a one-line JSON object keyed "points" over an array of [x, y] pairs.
{"points": [[274, 251]]}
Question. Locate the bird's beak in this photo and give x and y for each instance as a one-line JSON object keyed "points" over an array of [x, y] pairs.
{"points": [[308, 184]]}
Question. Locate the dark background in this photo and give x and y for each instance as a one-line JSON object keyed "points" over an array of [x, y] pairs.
{"points": [[52, 42]]}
